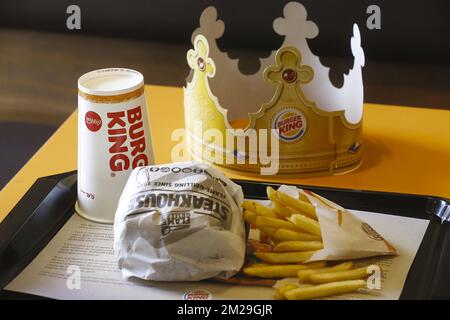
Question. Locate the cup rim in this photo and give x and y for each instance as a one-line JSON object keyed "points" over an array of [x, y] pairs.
{"points": [[134, 84]]}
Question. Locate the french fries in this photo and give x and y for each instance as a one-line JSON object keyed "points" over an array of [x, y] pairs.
{"points": [[259, 209], [272, 194], [250, 216], [267, 230], [279, 293], [282, 211], [306, 224], [304, 275], [284, 257], [291, 235], [286, 200], [324, 290], [275, 223], [304, 198], [280, 271], [355, 274], [293, 246]]}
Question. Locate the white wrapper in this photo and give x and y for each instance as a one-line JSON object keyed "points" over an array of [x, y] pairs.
{"points": [[179, 222], [344, 235]]}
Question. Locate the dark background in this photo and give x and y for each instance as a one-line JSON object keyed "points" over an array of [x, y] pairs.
{"points": [[407, 61], [411, 30]]}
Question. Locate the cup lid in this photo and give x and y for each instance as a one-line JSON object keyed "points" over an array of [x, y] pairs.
{"points": [[110, 81]]}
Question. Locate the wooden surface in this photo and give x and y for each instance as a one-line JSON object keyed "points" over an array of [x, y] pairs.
{"points": [[39, 72], [406, 150]]}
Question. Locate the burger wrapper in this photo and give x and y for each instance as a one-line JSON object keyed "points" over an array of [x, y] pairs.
{"points": [[179, 222], [344, 235]]}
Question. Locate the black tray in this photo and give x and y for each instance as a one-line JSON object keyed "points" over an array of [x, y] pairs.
{"points": [[49, 203]]}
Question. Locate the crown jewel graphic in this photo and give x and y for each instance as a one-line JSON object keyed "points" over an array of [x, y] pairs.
{"points": [[319, 126]]}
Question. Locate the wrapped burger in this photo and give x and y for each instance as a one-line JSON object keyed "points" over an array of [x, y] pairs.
{"points": [[179, 222]]}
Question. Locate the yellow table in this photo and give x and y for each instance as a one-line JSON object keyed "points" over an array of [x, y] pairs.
{"points": [[407, 150]]}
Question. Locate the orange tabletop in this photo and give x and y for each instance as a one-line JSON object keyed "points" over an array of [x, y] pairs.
{"points": [[406, 150]]}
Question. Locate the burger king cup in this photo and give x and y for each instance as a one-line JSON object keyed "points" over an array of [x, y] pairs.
{"points": [[113, 138]]}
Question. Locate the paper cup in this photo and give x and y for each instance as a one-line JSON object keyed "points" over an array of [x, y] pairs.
{"points": [[113, 138]]}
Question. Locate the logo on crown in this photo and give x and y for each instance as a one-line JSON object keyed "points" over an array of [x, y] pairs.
{"points": [[314, 127]]}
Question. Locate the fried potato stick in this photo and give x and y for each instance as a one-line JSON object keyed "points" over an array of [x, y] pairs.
{"points": [[259, 209], [279, 293], [324, 290], [306, 224], [291, 235], [285, 199], [304, 198], [281, 210], [275, 223], [295, 246], [304, 275], [267, 230], [284, 257], [280, 271], [250, 216], [354, 274]]}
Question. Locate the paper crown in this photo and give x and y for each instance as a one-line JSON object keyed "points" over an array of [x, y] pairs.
{"points": [[319, 126]]}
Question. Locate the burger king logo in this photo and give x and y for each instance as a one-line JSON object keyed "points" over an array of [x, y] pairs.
{"points": [[371, 232], [197, 294], [291, 124], [93, 121]]}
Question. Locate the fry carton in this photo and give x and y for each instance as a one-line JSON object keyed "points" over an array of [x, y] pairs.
{"points": [[344, 235]]}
